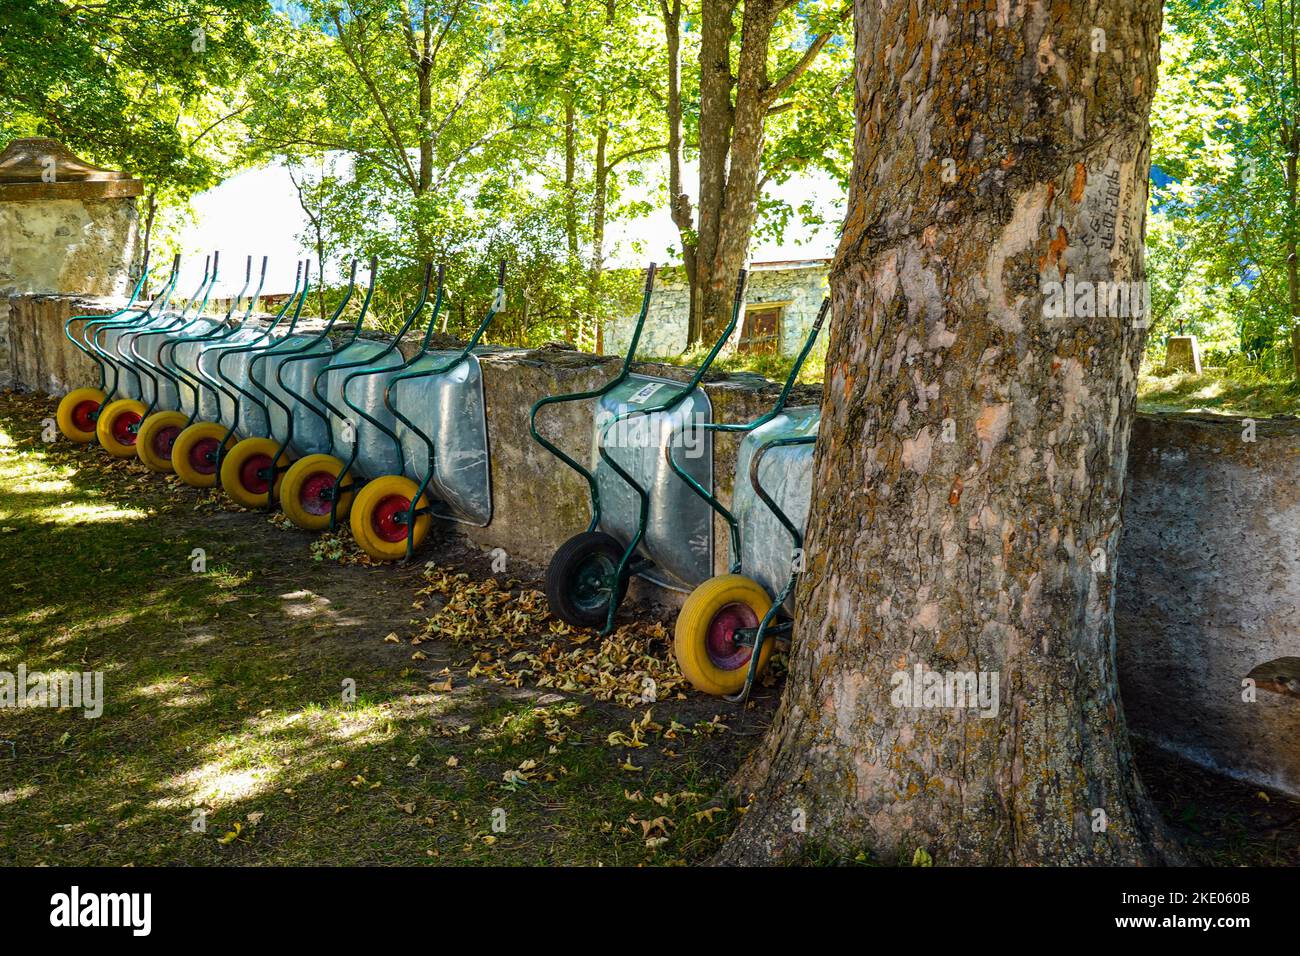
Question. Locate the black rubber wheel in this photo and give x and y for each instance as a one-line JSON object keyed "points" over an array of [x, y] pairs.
{"points": [[577, 579]]}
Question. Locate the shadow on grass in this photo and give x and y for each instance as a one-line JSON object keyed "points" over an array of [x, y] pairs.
{"points": [[226, 736]]}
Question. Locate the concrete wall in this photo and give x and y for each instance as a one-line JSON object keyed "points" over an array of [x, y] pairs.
{"points": [[61, 245], [1209, 588], [665, 328], [1209, 573]]}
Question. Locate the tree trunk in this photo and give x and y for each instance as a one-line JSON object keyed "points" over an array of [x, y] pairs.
{"points": [[970, 463], [600, 188], [679, 204], [151, 206], [571, 204], [729, 185], [1292, 263]]}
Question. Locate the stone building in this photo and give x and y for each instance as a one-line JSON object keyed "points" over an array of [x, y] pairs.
{"points": [[65, 226], [781, 301]]}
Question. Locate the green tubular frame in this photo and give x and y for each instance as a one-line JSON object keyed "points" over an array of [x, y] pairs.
{"points": [[765, 628], [301, 353], [323, 411], [179, 323], [608, 387], [367, 367], [732, 525], [100, 324], [199, 379], [298, 286], [139, 316], [497, 302], [174, 319], [625, 563], [258, 347], [95, 328]]}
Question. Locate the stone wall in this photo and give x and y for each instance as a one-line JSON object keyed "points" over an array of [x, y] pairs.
{"points": [[65, 226], [1209, 588], [40, 356], [1209, 566], [538, 502], [803, 288]]}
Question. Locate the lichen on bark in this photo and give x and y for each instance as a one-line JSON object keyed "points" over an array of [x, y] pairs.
{"points": [[970, 464]]}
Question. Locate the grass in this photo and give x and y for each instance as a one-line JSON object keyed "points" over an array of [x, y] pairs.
{"points": [[1223, 391], [771, 365], [480, 731], [1236, 391], [226, 738]]}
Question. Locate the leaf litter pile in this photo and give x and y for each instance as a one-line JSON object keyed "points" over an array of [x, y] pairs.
{"points": [[513, 639]]}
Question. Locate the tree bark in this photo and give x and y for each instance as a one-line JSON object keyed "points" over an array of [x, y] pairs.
{"points": [[733, 114], [1292, 260], [970, 464], [679, 204]]}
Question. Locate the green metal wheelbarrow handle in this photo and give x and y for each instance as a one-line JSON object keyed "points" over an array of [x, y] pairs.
{"points": [[135, 293], [305, 354], [709, 498], [367, 366], [666, 406], [498, 302], [766, 624], [605, 389], [259, 347], [94, 329], [179, 323], [296, 354], [224, 329]]}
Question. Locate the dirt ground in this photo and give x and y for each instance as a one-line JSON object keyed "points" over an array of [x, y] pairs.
{"points": [[292, 703]]}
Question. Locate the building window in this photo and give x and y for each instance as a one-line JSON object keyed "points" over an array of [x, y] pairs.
{"points": [[761, 331]]}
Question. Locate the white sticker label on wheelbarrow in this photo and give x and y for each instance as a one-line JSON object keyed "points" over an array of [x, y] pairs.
{"points": [[809, 426], [642, 396]]}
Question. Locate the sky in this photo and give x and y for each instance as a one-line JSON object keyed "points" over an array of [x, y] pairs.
{"points": [[256, 213]]}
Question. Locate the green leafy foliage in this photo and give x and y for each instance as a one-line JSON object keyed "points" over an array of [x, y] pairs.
{"points": [[1222, 234]]}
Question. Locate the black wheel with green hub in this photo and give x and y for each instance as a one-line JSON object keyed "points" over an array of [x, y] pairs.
{"points": [[579, 579]]}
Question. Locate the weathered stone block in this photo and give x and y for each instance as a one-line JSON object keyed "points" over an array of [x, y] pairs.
{"points": [[1208, 589], [1183, 354]]}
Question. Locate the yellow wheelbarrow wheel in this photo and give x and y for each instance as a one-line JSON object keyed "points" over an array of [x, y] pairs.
{"points": [[704, 640], [76, 414], [117, 424], [156, 437], [377, 517], [251, 471], [307, 491], [195, 453]]}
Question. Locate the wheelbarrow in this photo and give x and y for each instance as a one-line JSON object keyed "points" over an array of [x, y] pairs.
{"points": [[270, 412], [373, 448], [119, 420], [205, 399], [644, 521], [725, 631], [250, 468], [173, 386], [437, 401], [239, 463], [310, 487], [79, 408]]}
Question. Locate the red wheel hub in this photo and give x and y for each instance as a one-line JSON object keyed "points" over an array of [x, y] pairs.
{"points": [[315, 495], [385, 520], [203, 456], [83, 415], [163, 440], [250, 476], [721, 645], [123, 427]]}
